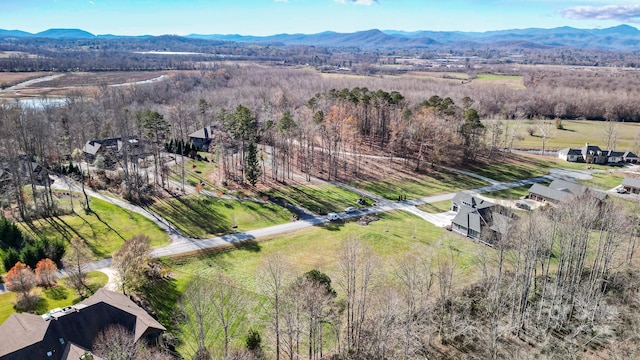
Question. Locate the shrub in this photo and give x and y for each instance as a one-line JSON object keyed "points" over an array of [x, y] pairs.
{"points": [[558, 123]]}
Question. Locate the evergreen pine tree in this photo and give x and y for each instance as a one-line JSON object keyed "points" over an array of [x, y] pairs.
{"points": [[252, 170]]}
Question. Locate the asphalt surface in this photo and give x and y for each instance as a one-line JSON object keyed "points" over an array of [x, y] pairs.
{"points": [[181, 244]]}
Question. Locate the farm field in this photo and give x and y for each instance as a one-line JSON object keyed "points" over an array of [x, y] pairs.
{"points": [[576, 133], [515, 82]]}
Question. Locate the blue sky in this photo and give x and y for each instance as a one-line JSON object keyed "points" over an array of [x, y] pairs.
{"points": [[267, 17]]}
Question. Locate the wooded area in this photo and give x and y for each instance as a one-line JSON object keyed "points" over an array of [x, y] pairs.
{"points": [[561, 284]]}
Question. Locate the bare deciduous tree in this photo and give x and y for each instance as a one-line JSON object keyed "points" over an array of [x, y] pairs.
{"points": [[131, 262], [77, 256], [357, 265], [274, 278]]}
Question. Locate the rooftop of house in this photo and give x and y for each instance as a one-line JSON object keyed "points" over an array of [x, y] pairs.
{"points": [[631, 182], [467, 199], [204, 133], [28, 336]]}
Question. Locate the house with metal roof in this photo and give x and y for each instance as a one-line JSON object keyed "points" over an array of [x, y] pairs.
{"points": [[64, 333]]}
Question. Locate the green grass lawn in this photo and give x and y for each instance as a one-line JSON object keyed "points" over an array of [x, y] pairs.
{"points": [[320, 199], [525, 166], [105, 229], [512, 81], [436, 207], [201, 216], [436, 182], [575, 134], [395, 235], [511, 194], [56, 297], [195, 171], [604, 180]]}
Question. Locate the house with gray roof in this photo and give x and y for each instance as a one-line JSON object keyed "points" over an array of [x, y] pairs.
{"points": [[108, 147], [474, 214], [558, 191], [64, 333], [631, 185], [202, 138]]}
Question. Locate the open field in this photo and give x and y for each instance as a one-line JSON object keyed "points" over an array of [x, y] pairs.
{"points": [[200, 216], [520, 166], [391, 238], [319, 199], [105, 229], [512, 81], [12, 78], [59, 296], [604, 180], [576, 133], [396, 234], [436, 181]]}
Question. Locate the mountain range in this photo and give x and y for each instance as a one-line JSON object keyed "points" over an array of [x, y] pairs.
{"points": [[618, 38]]}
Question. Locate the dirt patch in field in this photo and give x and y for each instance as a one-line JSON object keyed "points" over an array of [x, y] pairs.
{"points": [[11, 78], [83, 79]]}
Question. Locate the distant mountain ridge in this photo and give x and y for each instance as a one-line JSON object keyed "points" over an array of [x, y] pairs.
{"points": [[618, 38]]}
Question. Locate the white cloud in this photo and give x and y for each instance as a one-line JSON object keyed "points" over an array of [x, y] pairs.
{"points": [[357, 2], [626, 13]]}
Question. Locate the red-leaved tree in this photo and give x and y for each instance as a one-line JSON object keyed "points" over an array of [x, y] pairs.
{"points": [[21, 279], [46, 272]]}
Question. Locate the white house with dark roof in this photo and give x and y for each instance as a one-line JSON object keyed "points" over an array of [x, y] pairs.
{"points": [[630, 158], [592, 154], [569, 154]]}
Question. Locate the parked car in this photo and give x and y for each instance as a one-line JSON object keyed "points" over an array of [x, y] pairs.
{"points": [[621, 190], [523, 205], [333, 217], [350, 209]]}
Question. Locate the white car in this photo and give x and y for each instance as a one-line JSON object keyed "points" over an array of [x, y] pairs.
{"points": [[350, 209], [333, 217]]}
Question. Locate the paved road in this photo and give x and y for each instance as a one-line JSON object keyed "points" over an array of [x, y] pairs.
{"points": [[181, 244]]}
